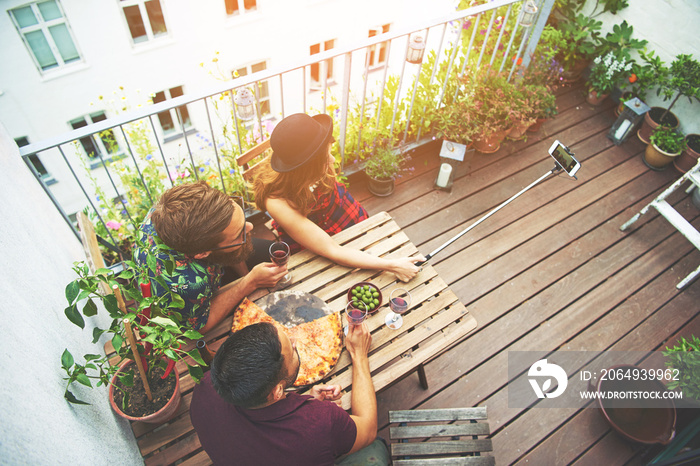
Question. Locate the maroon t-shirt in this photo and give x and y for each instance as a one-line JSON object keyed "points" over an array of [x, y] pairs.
{"points": [[297, 430]]}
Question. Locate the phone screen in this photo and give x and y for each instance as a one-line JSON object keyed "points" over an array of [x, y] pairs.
{"points": [[564, 159]]}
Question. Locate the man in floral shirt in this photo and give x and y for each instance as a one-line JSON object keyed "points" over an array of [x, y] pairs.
{"points": [[207, 235]]}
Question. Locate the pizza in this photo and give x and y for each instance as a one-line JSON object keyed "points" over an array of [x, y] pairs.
{"points": [[318, 342]]}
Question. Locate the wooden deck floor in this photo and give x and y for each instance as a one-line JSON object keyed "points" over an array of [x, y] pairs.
{"points": [[551, 270]]}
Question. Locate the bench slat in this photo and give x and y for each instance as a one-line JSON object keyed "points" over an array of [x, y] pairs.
{"points": [[441, 448], [449, 414], [461, 461], [443, 430]]}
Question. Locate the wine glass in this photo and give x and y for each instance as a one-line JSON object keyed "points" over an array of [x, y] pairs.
{"points": [[354, 314], [399, 301], [279, 254]]}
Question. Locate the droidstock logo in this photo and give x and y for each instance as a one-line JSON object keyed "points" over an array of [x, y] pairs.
{"points": [[542, 369]]}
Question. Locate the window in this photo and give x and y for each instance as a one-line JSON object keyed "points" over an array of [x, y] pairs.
{"points": [[36, 162], [46, 34], [377, 53], [316, 67], [145, 19], [169, 119], [236, 7], [97, 145], [263, 91]]}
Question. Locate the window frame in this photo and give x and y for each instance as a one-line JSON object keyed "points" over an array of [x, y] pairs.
{"points": [[102, 152], [187, 124], [375, 51], [241, 10], [33, 159], [315, 68], [44, 26], [145, 20]]}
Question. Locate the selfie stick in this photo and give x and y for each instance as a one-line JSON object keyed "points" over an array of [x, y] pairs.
{"points": [[432, 253]]}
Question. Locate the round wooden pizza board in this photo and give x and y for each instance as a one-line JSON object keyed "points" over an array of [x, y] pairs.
{"points": [[291, 308]]}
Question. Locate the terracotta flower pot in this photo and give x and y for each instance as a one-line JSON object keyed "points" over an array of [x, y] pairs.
{"points": [[518, 130], [380, 187], [652, 120], [689, 157], [535, 127], [490, 144], [574, 73], [656, 159], [593, 98], [632, 419], [163, 414]]}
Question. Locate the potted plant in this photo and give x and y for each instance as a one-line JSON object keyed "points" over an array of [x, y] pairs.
{"points": [[492, 96], [682, 78], [606, 73], [689, 157], [456, 121], [545, 107], [146, 333], [383, 166], [579, 37], [685, 357], [666, 144]]}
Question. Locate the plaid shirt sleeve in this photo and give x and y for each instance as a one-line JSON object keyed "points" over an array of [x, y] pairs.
{"points": [[333, 212]]}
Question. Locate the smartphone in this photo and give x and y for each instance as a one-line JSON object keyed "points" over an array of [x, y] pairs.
{"points": [[564, 158]]}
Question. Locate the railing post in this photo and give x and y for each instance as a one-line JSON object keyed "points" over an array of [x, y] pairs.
{"points": [[344, 106], [543, 14]]}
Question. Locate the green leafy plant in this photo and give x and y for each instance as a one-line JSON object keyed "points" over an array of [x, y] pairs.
{"points": [[155, 320], [385, 162], [607, 72], [668, 139], [681, 79], [685, 357], [492, 97], [620, 42]]}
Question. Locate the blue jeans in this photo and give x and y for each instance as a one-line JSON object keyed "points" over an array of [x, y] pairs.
{"points": [[375, 454]]}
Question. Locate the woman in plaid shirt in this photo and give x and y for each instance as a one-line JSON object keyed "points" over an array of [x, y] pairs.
{"points": [[300, 191]]}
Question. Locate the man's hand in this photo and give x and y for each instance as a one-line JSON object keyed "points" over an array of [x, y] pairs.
{"points": [[326, 392], [358, 341], [266, 275]]}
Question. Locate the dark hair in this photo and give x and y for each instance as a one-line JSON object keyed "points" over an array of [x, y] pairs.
{"points": [[293, 186], [190, 217], [248, 365]]}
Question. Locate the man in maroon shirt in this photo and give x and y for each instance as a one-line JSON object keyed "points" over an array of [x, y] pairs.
{"points": [[243, 415]]}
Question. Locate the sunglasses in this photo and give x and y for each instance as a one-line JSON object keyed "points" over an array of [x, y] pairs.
{"points": [[238, 200]]}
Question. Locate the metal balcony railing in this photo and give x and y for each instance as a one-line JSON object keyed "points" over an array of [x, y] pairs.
{"points": [[366, 88]]}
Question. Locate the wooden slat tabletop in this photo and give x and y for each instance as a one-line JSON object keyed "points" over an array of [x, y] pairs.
{"points": [[435, 321]]}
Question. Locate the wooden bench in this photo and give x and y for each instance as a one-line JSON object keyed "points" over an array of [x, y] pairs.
{"points": [[417, 445]]}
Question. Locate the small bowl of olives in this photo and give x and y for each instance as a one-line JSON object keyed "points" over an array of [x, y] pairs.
{"points": [[366, 293]]}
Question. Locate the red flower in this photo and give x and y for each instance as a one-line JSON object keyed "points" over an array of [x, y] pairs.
{"points": [[520, 60], [633, 78]]}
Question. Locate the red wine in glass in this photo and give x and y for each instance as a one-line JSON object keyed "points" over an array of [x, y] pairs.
{"points": [[355, 314], [399, 301], [279, 254], [280, 257]]}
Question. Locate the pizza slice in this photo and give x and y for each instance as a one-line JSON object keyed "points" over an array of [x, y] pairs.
{"points": [[318, 342], [249, 313]]}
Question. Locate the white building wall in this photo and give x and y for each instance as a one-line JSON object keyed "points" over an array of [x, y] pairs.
{"points": [[39, 105], [37, 426]]}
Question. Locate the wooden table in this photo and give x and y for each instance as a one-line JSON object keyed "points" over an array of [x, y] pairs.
{"points": [[435, 321]]}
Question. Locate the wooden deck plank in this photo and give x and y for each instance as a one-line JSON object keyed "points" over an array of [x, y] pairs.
{"points": [[573, 255], [509, 274]]}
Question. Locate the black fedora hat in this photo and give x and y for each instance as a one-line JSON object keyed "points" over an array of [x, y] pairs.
{"points": [[298, 138]]}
